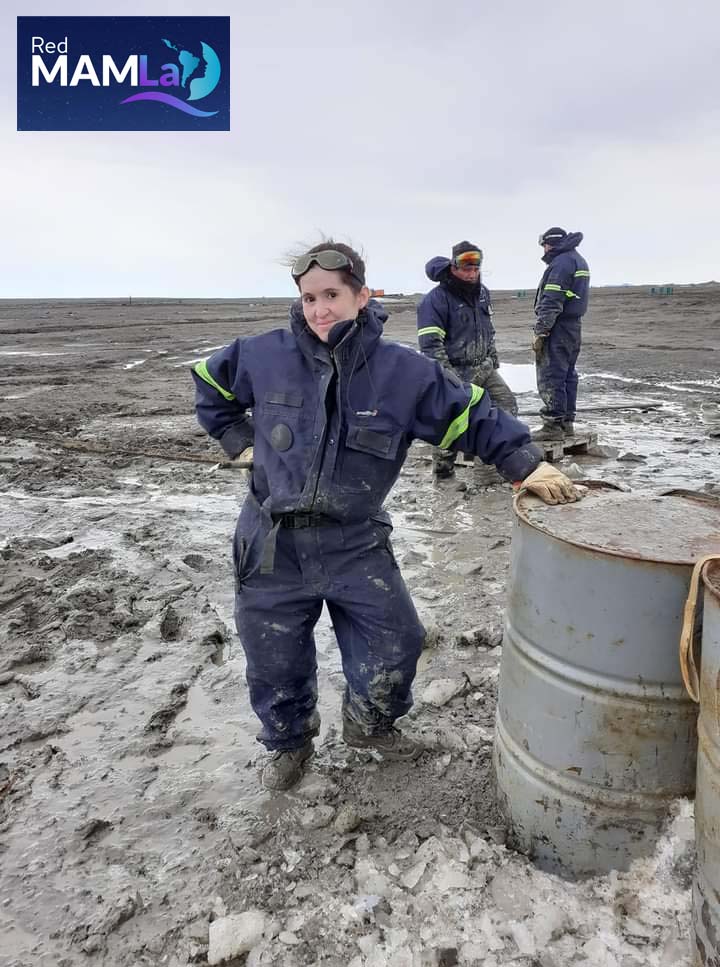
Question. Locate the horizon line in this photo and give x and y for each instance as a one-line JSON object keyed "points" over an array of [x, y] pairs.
{"points": [[126, 299]]}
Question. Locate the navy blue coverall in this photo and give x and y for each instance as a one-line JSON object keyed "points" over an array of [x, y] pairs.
{"points": [[331, 425], [560, 303], [457, 330]]}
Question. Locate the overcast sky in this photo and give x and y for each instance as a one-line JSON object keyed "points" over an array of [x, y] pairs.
{"points": [[401, 126]]}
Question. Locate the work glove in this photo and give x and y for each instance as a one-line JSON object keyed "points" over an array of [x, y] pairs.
{"points": [[244, 457], [482, 371], [550, 485], [538, 344], [244, 460]]}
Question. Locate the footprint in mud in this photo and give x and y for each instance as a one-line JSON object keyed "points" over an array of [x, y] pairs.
{"points": [[196, 561], [21, 544], [171, 624], [162, 719]]}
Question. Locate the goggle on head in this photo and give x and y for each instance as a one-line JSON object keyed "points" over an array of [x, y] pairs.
{"points": [[468, 260], [329, 259]]}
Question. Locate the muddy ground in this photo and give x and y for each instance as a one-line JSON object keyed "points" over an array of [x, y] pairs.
{"points": [[131, 821]]}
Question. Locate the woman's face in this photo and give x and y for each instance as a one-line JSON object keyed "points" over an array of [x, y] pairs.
{"points": [[327, 300]]}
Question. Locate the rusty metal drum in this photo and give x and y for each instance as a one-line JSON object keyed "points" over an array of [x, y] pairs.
{"points": [[706, 885], [595, 734]]}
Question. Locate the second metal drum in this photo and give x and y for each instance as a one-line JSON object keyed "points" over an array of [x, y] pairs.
{"points": [[706, 886]]}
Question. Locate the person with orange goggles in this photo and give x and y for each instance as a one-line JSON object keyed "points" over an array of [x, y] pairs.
{"points": [[455, 328]]}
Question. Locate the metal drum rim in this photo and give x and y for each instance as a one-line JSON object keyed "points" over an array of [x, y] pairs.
{"points": [[519, 509], [631, 693]]}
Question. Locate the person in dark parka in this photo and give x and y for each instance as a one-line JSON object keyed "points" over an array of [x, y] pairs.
{"points": [[560, 303], [454, 327], [329, 409]]}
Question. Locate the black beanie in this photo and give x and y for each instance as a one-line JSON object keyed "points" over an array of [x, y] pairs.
{"points": [[553, 236], [464, 247]]}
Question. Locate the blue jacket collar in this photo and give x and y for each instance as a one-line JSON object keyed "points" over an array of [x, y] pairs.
{"points": [[358, 337]]}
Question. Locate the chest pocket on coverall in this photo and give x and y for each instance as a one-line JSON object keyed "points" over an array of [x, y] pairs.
{"points": [[368, 459], [279, 416], [282, 406]]}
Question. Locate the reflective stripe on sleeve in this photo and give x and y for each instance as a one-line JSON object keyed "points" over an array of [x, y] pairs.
{"points": [[558, 288], [431, 329], [460, 424], [582, 274], [204, 374]]}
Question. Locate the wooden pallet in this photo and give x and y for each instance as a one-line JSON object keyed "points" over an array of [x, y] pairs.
{"points": [[552, 449], [556, 449], [468, 460]]}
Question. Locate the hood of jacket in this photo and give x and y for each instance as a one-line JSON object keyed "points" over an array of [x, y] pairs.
{"points": [[438, 269], [570, 242]]}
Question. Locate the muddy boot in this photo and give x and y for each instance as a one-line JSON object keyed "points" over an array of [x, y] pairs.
{"points": [[443, 464], [548, 432], [442, 472], [485, 475], [391, 744], [286, 767], [568, 428]]}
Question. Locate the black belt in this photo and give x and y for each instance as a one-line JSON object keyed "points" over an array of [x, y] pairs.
{"points": [[291, 521], [295, 521]]}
